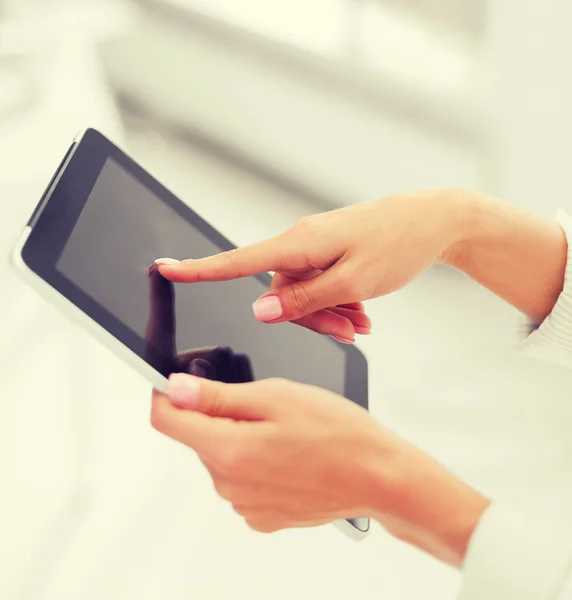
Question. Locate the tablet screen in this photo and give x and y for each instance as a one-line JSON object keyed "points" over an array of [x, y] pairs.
{"points": [[123, 228]]}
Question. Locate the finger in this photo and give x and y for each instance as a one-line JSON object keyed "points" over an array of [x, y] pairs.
{"points": [[327, 322], [319, 522], [353, 306], [240, 402], [199, 432], [282, 279], [300, 298], [359, 320], [161, 327], [270, 255], [272, 523], [287, 277]]}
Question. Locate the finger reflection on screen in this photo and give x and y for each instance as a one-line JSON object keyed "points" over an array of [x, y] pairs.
{"points": [[161, 327], [218, 363]]}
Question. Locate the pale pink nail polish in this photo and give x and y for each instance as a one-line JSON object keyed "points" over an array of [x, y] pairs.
{"points": [[343, 340], [362, 330], [166, 261], [184, 391], [268, 309]]}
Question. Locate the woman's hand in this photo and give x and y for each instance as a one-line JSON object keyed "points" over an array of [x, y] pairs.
{"points": [[291, 455], [328, 263]]}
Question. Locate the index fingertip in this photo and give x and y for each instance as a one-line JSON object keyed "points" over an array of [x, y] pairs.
{"points": [[178, 273]]}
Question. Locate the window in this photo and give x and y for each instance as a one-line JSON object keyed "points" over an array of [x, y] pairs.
{"points": [[404, 45], [425, 44], [316, 25]]}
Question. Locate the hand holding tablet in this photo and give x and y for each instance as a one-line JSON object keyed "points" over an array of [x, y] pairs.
{"points": [[264, 407], [284, 454], [88, 246]]}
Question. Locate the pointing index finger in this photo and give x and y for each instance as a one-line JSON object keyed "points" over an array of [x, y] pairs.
{"points": [[270, 255]]}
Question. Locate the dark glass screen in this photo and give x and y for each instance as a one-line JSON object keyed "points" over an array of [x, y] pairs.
{"points": [[208, 327]]}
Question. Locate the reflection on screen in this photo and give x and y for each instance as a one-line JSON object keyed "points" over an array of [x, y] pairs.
{"points": [[123, 228]]}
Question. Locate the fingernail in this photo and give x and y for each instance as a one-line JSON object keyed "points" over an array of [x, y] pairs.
{"points": [[362, 330], [268, 309], [166, 261], [343, 340], [184, 391]]}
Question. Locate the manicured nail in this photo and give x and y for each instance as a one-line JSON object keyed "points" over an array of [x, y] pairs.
{"points": [[184, 391], [166, 261], [343, 340], [362, 330], [268, 309]]}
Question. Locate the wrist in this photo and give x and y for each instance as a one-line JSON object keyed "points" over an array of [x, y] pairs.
{"points": [[418, 501], [519, 256], [461, 214]]}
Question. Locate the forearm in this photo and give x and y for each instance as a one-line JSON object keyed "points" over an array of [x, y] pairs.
{"points": [[420, 502], [519, 256]]}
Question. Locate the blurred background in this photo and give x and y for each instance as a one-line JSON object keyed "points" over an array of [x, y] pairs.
{"points": [[257, 113]]}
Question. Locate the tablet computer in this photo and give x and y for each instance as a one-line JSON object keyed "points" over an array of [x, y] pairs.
{"points": [[88, 246]]}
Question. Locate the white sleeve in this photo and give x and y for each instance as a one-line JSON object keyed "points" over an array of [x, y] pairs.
{"points": [[552, 340], [522, 549], [522, 546]]}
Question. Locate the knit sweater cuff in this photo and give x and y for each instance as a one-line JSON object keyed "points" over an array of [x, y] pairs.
{"points": [[552, 340]]}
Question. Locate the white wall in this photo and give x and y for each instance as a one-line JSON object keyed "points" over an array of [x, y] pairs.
{"points": [[529, 98], [342, 143]]}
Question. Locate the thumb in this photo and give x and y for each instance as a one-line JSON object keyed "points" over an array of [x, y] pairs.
{"points": [[239, 402], [302, 298]]}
